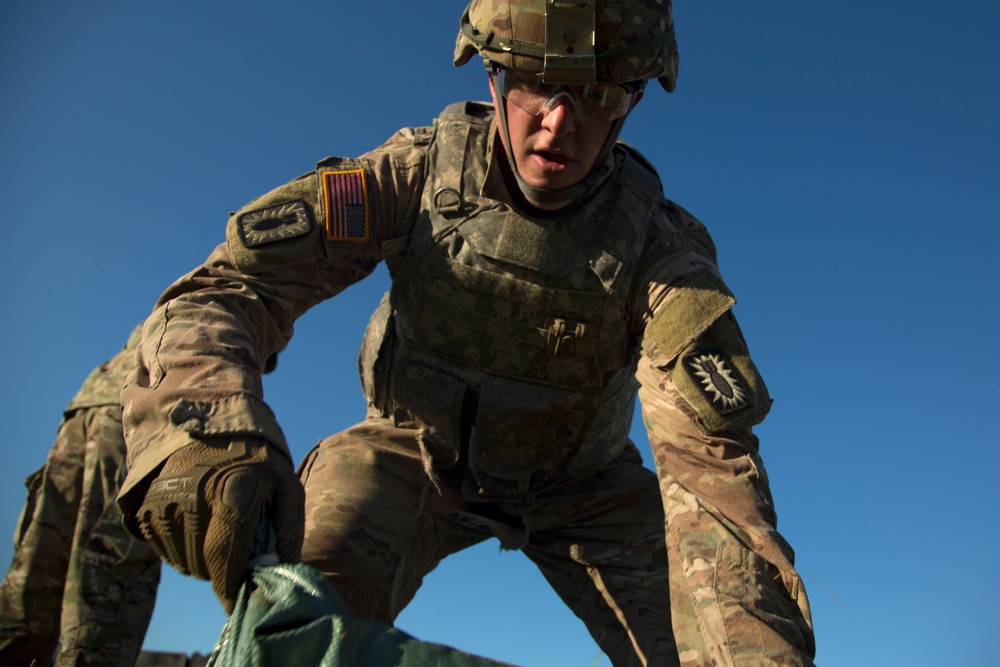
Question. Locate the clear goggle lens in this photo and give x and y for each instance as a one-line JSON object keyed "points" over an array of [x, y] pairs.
{"points": [[593, 103]]}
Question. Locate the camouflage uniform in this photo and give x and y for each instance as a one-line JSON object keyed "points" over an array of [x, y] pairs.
{"points": [[77, 576], [501, 377]]}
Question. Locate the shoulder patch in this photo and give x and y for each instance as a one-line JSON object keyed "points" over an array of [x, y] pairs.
{"points": [[719, 381], [345, 197], [287, 220]]}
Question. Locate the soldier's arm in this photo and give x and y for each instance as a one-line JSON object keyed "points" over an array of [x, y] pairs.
{"points": [[205, 345], [700, 391], [701, 396], [203, 445]]}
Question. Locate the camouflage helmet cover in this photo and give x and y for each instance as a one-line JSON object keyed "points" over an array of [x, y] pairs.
{"points": [[633, 40]]}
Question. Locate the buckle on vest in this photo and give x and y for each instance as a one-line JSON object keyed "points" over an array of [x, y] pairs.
{"points": [[562, 336], [448, 201]]}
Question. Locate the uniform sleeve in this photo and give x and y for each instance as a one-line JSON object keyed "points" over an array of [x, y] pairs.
{"points": [[691, 341], [700, 391], [104, 384], [204, 347]]}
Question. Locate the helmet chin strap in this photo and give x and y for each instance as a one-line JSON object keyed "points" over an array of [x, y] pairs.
{"points": [[598, 171]]}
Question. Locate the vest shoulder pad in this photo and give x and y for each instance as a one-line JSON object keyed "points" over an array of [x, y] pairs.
{"points": [[639, 169], [478, 110]]}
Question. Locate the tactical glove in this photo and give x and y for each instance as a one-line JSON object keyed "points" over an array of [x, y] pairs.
{"points": [[201, 512]]}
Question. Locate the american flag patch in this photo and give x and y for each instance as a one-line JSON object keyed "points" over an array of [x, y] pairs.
{"points": [[346, 205]]}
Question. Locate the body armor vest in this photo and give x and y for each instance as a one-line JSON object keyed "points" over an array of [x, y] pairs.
{"points": [[512, 349]]}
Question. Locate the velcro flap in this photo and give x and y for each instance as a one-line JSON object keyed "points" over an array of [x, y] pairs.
{"points": [[688, 310]]}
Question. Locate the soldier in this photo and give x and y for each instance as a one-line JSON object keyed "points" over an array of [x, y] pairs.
{"points": [[80, 589], [541, 282]]}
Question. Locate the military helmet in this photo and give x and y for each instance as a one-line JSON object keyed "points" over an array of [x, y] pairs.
{"points": [[574, 41]]}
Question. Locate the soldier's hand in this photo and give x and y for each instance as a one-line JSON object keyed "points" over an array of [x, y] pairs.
{"points": [[201, 512]]}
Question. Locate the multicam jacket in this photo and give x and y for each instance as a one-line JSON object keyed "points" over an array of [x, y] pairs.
{"points": [[534, 331]]}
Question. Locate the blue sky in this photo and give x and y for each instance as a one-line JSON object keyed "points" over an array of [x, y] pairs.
{"points": [[845, 157]]}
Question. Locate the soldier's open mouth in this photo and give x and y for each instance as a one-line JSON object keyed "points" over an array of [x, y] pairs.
{"points": [[558, 158]]}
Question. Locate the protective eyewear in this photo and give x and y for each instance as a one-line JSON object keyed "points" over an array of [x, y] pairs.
{"points": [[592, 103]]}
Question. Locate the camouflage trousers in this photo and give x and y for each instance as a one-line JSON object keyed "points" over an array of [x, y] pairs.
{"points": [[77, 576], [376, 525]]}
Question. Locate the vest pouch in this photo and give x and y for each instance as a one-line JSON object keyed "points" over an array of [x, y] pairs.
{"points": [[375, 359], [523, 431], [435, 401]]}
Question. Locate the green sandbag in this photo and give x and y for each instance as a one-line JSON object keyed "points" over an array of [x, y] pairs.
{"points": [[291, 615]]}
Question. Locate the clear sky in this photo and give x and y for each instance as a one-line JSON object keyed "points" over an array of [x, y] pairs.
{"points": [[845, 157]]}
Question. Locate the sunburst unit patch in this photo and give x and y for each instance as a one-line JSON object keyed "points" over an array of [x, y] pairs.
{"points": [[346, 199], [718, 380]]}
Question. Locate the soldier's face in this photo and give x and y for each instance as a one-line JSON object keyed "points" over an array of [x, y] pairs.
{"points": [[553, 149]]}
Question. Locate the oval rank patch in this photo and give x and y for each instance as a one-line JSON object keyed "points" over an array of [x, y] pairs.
{"points": [[280, 222]]}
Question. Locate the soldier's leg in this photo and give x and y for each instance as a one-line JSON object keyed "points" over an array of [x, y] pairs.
{"points": [[599, 542], [375, 522], [112, 579], [32, 590]]}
